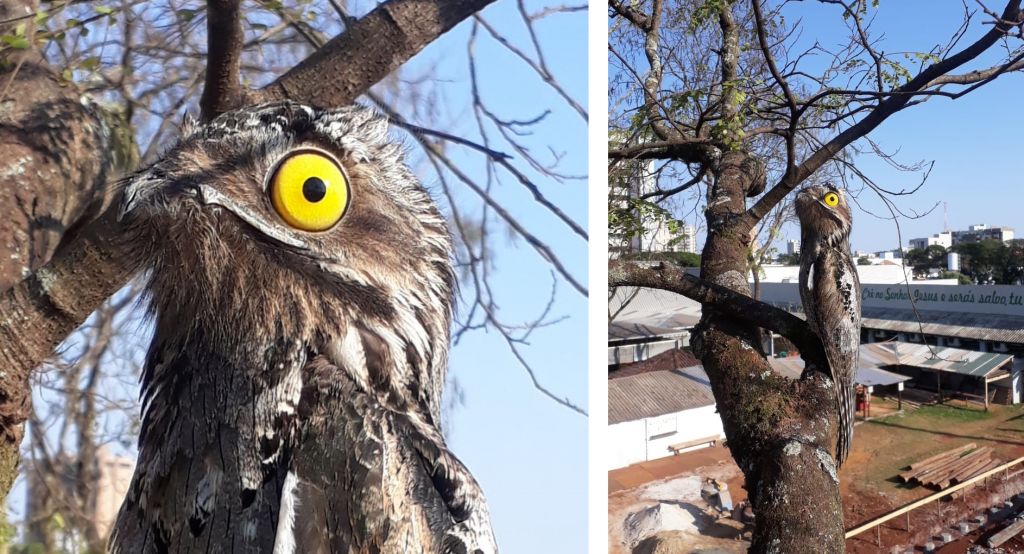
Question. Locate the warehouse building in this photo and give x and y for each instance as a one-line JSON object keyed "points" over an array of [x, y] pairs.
{"points": [[966, 340]]}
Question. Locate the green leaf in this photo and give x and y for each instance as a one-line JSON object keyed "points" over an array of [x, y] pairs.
{"points": [[20, 43], [104, 10], [90, 63], [187, 15]]}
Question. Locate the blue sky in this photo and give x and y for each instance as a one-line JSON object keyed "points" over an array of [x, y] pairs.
{"points": [[529, 454], [973, 140]]}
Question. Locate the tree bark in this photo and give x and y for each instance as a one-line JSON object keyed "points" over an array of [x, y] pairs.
{"points": [[57, 152], [780, 432]]}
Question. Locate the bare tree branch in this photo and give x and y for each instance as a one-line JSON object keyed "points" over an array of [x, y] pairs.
{"points": [[885, 108], [731, 303], [369, 49], [695, 150], [223, 88]]}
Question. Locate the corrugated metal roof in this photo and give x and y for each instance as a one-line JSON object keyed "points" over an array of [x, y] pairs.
{"points": [[668, 360], [935, 358], [976, 326], [657, 393], [868, 372], [642, 312], [877, 377]]}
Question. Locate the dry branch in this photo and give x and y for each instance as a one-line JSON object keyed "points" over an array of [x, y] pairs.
{"points": [[226, 38], [375, 45], [668, 277]]}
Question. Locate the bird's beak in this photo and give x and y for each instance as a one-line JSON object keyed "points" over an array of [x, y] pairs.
{"points": [[136, 191]]}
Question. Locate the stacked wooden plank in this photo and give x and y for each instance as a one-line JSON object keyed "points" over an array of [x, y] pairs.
{"points": [[921, 468], [1012, 530], [950, 467]]}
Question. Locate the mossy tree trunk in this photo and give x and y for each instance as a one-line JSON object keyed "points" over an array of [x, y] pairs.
{"points": [[780, 432]]}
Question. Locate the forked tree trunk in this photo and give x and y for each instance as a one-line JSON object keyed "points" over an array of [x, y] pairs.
{"points": [[781, 432]]}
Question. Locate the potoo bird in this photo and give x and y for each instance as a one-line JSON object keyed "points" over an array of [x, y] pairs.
{"points": [[301, 284], [830, 293]]}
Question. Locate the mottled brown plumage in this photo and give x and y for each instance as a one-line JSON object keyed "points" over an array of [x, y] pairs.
{"points": [[830, 292], [292, 389]]}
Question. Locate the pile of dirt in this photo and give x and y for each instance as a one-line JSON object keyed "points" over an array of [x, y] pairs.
{"points": [[663, 516], [707, 530]]}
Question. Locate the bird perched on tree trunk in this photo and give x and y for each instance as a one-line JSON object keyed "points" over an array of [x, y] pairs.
{"points": [[301, 282], [830, 293]]}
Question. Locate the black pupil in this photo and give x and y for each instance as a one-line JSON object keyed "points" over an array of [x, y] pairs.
{"points": [[314, 189]]}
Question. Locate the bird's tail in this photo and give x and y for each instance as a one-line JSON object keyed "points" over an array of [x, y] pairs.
{"points": [[845, 398]]}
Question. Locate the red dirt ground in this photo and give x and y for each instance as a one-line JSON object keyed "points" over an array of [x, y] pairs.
{"points": [[868, 482]]}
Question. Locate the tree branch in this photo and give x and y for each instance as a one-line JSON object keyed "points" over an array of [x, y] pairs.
{"points": [[225, 39], [350, 63], [980, 76], [885, 108], [696, 150], [769, 59], [663, 194], [636, 18], [728, 302], [40, 311]]}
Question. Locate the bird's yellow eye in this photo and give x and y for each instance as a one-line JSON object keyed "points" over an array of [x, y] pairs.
{"points": [[309, 190], [831, 199]]}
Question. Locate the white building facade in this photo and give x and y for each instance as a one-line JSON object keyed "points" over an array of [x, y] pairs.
{"points": [[649, 412]]}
